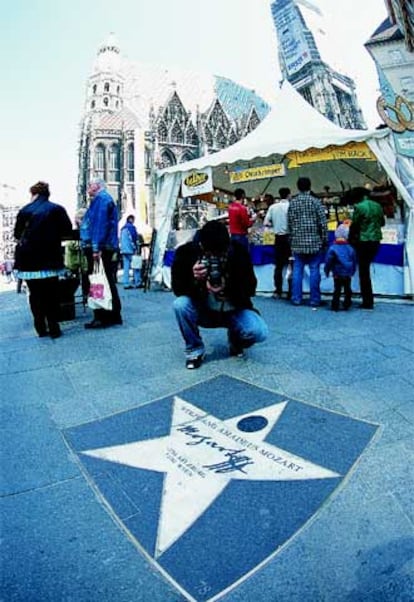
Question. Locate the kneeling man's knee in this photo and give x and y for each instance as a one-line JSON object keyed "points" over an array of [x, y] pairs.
{"points": [[181, 303]]}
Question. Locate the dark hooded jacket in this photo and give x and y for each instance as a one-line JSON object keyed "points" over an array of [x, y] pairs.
{"points": [[39, 229], [239, 275]]}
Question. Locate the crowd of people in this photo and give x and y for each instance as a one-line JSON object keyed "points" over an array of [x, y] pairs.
{"points": [[212, 275], [301, 238], [40, 231]]}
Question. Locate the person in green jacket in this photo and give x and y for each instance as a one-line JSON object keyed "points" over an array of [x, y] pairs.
{"points": [[367, 221]]}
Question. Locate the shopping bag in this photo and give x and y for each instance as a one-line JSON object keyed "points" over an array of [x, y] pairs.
{"points": [[136, 262], [99, 292]]}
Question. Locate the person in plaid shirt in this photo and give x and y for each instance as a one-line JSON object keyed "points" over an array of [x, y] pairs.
{"points": [[308, 238]]}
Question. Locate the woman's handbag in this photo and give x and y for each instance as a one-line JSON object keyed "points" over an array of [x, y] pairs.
{"points": [[99, 291], [136, 262]]}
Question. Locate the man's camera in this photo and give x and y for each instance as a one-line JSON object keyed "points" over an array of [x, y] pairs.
{"points": [[213, 266]]}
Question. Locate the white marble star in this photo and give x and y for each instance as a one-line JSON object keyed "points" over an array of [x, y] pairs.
{"points": [[201, 455]]}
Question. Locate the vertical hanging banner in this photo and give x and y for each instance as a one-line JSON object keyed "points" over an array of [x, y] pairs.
{"points": [[398, 114], [295, 49], [197, 182]]}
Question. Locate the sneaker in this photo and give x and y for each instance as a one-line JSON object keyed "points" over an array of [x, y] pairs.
{"points": [[194, 363]]}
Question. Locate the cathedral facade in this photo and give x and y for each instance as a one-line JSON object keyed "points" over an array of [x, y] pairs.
{"points": [[330, 92], [138, 119]]}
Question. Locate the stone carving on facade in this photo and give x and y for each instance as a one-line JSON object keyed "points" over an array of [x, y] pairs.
{"points": [[129, 119]]}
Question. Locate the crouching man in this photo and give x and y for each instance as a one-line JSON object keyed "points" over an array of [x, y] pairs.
{"points": [[213, 280]]}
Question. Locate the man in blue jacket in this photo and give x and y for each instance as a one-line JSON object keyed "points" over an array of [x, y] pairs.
{"points": [[99, 236]]}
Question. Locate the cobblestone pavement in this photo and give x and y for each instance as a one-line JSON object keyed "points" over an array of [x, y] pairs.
{"points": [[61, 543]]}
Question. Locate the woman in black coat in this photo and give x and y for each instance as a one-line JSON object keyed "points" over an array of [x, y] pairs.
{"points": [[40, 227]]}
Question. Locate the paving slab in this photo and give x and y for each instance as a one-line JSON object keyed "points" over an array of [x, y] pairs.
{"points": [[87, 529], [60, 544]]}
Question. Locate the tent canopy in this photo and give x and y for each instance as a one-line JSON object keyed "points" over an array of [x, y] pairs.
{"points": [[294, 126]]}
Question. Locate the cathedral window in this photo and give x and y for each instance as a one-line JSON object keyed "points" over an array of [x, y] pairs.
{"points": [[162, 132], [114, 172], [307, 95], [106, 101], [186, 157], [218, 117], [208, 137], [118, 89], [220, 138], [130, 162], [94, 88], [168, 158], [175, 109], [93, 104], [253, 122], [99, 161], [147, 158], [177, 136], [106, 87], [116, 104], [232, 138], [191, 136]]}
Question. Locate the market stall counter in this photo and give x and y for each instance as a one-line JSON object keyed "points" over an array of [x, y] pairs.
{"points": [[386, 270]]}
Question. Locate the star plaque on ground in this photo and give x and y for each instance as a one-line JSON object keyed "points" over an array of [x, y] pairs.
{"points": [[212, 481]]}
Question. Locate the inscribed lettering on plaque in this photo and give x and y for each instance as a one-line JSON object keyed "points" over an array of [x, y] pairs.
{"points": [[209, 472]]}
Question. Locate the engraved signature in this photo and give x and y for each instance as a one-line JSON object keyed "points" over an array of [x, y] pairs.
{"points": [[235, 461]]}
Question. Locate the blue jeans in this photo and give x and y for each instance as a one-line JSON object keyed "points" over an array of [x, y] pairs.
{"points": [[242, 239], [126, 266], [314, 261], [245, 326]]}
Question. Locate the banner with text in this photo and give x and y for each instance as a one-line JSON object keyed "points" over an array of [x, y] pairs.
{"points": [[294, 47], [352, 150], [257, 173]]}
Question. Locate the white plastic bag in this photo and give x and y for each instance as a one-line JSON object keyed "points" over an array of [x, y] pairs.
{"points": [[99, 296], [136, 262]]}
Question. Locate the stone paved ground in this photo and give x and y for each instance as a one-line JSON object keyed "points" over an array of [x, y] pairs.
{"points": [[60, 543]]}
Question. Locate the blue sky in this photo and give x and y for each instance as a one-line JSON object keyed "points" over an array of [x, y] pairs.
{"points": [[47, 49]]}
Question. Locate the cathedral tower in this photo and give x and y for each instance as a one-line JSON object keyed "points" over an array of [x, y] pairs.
{"points": [[105, 86], [330, 92]]}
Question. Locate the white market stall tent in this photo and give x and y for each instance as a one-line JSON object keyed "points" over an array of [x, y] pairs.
{"points": [[295, 137]]}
